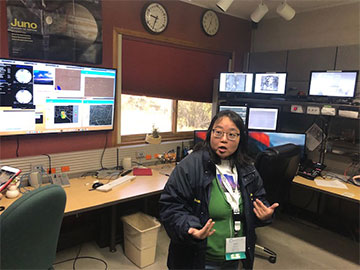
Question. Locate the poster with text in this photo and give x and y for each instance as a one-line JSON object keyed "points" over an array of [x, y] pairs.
{"points": [[66, 30]]}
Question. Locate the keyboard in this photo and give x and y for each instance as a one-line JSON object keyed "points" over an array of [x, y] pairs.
{"points": [[116, 182]]}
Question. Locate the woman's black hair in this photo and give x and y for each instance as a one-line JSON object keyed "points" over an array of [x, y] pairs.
{"points": [[240, 156]]}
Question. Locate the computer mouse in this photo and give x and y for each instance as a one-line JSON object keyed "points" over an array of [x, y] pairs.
{"points": [[96, 185]]}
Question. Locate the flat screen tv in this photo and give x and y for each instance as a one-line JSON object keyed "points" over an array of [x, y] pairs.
{"points": [[270, 83], [258, 141], [240, 110], [39, 97], [236, 83], [333, 84], [263, 118]]}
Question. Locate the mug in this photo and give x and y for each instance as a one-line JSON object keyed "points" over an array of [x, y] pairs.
{"points": [[126, 163]]}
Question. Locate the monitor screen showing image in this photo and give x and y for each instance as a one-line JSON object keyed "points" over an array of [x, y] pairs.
{"points": [[263, 118], [259, 141], [240, 110], [341, 84], [236, 82], [39, 97], [199, 136], [270, 83]]}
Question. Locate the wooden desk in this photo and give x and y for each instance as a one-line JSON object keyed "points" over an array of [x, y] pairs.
{"points": [[352, 193], [79, 199]]}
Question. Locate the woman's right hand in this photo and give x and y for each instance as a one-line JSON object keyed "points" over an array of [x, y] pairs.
{"points": [[204, 232]]}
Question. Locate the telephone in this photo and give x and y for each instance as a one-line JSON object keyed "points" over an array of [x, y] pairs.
{"points": [[60, 179], [310, 169]]}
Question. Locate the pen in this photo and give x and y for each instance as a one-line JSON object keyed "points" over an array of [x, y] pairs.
{"points": [[126, 172]]}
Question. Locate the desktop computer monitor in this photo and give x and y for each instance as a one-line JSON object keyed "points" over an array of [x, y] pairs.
{"points": [[270, 83], [263, 118], [236, 83], [199, 136], [240, 110], [333, 84], [258, 141]]}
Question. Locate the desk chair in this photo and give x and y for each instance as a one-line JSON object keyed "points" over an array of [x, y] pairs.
{"points": [[30, 229], [277, 167]]}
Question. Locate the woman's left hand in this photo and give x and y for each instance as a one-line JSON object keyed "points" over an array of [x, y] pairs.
{"points": [[262, 211]]}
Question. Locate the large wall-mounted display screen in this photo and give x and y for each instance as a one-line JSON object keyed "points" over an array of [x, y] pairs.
{"points": [[38, 97]]}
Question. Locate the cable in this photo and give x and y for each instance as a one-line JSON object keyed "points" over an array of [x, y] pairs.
{"points": [[49, 172], [17, 146], [103, 152], [77, 257]]}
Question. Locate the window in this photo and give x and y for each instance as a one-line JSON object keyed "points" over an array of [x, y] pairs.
{"points": [[140, 113], [193, 115]]}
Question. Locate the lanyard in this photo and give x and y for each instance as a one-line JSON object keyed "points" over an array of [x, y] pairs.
{"points": [[233, 198]]}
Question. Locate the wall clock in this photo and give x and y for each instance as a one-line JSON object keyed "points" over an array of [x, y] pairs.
{"points": [[154, 17], [210, 22]]}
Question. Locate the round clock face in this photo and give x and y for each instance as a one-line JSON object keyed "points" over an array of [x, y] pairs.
{"points": [[155, 18], [210, 22], [23, 96], [23, 75]]}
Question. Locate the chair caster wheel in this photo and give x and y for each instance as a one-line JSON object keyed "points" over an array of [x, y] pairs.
{"points": [[272, 259]]}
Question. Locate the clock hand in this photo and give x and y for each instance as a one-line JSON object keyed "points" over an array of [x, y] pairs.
{"points": [[156, 18]]}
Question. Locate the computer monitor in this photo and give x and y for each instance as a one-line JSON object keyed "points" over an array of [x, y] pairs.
{"points": [[334, 84], [236, 83], [199, 136], [258, 141], [270, 83], [240, 110], [263, 118], [39, 97]]}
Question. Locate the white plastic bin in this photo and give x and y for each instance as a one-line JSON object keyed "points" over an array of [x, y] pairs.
{"points": [[140, 238]]}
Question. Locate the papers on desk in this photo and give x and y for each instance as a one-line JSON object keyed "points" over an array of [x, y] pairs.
{"points": [[331, 183]]}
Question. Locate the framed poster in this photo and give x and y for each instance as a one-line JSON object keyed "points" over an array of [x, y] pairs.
{"points": [[67, 30]]}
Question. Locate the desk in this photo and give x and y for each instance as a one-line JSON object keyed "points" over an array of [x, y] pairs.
{"points": [[80, 199], [352, 193]]}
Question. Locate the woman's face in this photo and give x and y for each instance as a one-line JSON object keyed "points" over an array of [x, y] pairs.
{"points": [[222, 146]]}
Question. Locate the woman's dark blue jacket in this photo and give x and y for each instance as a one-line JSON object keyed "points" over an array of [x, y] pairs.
{"points": [[184, 204]]}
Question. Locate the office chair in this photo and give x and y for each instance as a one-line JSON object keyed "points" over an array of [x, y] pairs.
{"points": [[30, 229], [277, 167]]}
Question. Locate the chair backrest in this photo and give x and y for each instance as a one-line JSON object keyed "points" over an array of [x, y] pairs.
{"points": [[30, 229], [278, 166]]}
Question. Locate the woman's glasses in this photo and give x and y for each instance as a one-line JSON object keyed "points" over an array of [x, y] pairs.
{"points": [[230, 135]]}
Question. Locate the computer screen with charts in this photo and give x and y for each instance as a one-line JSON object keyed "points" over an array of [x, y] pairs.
{"points": [[336, 84], [270, 83], [263, 118], [39, 97]]}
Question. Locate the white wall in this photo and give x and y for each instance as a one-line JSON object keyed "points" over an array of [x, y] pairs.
{"points": [[334, 26]]}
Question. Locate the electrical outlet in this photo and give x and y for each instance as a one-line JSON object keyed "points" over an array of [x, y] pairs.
{"points": [[139, 154], [37, 168]]}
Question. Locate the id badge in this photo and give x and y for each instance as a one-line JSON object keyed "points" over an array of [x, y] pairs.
{"points": [[235, 248]]}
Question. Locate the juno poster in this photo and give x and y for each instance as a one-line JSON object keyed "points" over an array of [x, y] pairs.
{"points": [[67, 30]]}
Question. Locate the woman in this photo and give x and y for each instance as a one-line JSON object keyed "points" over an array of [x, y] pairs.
{"points": [[213, 201]]}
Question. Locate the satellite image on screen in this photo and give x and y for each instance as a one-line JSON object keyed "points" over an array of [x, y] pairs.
{"points": [[100, 115]]}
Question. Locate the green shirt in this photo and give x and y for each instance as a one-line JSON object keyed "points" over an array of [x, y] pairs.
{"points": [[220, 211]]}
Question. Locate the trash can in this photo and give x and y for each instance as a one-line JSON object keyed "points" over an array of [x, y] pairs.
{"points": [[140, 238]]}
